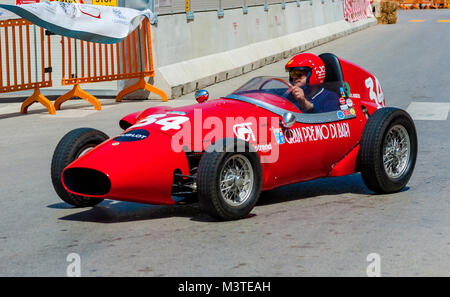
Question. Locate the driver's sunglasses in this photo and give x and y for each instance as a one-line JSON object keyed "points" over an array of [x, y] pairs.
{"points": [[298, 73]]}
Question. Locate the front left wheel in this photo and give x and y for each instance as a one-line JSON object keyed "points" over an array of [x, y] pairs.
{"points": [[72, 146]]}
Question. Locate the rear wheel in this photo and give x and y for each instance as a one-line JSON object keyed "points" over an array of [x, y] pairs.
{"points": [[72, 146], [388, 150], [229, 181]]}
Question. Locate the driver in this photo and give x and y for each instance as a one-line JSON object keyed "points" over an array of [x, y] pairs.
{"points": [[306, 71]]}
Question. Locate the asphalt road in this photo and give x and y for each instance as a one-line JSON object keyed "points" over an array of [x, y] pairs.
{"points": [[325, 227]]}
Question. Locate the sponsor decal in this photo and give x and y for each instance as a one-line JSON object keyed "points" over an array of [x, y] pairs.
{"points": [[324, 132], [352, 111], [340, 114], [279, 137], [349, 102], [244, 132], [134, 135], [346, 112], [320, 72], [342, 101], [357, 96], [346, 89], [264, 147], [341, 90], [312, 133], [293, 136], [344, 107]]}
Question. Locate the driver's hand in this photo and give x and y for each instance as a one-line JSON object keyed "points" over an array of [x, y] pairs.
{"points": [[298, 93]]}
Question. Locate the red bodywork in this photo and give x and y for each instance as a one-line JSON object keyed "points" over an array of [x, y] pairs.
{"points": [[143, 170]]}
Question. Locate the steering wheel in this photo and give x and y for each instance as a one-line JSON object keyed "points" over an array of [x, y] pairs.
{"points": [[284, 82], [277, 79]]}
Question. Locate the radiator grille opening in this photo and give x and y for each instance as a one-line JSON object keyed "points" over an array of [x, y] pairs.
{"points": [[86, 181]]}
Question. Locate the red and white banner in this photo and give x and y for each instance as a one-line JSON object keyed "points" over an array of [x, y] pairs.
{"points": [[20, 2], [356, 10], [99, 24]]}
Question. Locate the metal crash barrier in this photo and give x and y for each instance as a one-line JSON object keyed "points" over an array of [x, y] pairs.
{"points": [[25, 63], [92, 62], [21, 43]]}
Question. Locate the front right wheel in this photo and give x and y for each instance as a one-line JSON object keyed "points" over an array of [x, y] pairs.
{"points": [[229, 181], [388, 150]]}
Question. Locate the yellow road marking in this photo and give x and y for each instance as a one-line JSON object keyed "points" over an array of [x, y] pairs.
{"points": [[416, 21], [443, 21]]}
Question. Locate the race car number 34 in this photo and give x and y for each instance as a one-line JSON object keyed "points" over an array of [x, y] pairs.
{"points": [[375, 91], [170, 123]]}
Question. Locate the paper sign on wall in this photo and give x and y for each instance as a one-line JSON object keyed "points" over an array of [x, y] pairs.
{"points": [[105, 2], [69, 1], [20, 2]]}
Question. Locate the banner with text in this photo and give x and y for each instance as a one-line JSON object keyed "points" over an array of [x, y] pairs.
{"points": [[99, 24]]}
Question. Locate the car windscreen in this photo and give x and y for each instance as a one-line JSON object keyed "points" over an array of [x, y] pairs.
{"points": [[275, 85], [281, 87]]}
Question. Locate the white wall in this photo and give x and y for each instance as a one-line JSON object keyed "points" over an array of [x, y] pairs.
{"points": [[194, 54]]}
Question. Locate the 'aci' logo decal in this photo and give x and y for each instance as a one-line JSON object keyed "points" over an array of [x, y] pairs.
{"points": [[244, 132]]}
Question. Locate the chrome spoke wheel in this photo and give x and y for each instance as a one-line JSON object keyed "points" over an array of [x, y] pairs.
{"points": [[388, 150], [396, 151], [236, 180], [85, 150]]}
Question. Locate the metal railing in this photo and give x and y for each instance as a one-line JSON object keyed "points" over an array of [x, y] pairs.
{"points": [[165, 7]]}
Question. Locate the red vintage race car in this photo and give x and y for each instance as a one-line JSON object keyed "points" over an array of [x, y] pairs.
{"points": [[224, 152]]}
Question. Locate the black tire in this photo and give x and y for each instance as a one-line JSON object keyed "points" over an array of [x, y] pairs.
{"points": [[210, 170], [375, 174], [68, 150]]}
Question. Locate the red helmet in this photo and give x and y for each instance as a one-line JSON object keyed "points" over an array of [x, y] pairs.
{"points": [[312, 63]]}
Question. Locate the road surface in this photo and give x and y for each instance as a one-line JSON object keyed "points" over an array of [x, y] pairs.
{"points": [[325, 227]]}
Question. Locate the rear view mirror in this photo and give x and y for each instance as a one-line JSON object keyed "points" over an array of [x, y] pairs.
{"points": [[288, 120], [201, 96]]}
